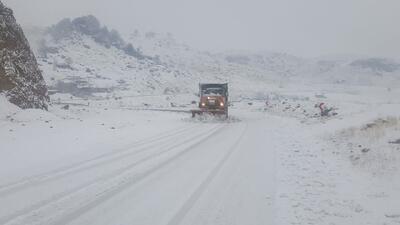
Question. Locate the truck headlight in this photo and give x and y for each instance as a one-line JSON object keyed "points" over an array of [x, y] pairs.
{"points": [[203, 104], [221, 104]]}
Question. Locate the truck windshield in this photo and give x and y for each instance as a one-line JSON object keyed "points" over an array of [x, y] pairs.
{"points": [[213, 91]]}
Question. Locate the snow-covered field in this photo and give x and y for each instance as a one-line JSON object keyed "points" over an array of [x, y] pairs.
{"points": [[118, 161]]}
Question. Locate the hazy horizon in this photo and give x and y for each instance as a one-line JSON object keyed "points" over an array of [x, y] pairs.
{"points": [[309, 28]]}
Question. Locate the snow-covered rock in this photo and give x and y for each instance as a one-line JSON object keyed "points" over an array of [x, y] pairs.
{"points": [[20, 77]]}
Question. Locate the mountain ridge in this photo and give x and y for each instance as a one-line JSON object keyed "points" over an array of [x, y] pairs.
{"points": [[166, 64]]}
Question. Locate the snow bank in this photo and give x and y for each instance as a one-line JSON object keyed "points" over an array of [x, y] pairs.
{"points": [[16, 114], [7, 108], [33, 115]]}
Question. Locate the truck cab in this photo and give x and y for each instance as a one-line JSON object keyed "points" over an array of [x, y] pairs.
{"points": [[213, 99]]}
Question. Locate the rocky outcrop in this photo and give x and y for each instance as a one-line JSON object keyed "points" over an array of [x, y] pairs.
{"points": [[20, 77], [90, 26]]}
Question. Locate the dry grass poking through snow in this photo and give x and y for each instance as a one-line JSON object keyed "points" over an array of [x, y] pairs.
{"points": [[374, 146], [376, 130]]}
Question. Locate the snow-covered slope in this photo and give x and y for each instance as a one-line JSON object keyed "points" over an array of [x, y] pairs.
{"points": [[83, 58], [6, 108], [204, 66], [240, 67], [79, 63]]}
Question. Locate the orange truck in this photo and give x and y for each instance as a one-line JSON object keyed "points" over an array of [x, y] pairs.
{"points": [[213, 99]]}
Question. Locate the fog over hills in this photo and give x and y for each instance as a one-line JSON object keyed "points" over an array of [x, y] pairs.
{"points": [[83, 56]]}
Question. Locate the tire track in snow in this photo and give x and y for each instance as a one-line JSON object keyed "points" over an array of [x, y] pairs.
{"points": [[173, 142], [119, 182], [187, 206], [90, 163]]}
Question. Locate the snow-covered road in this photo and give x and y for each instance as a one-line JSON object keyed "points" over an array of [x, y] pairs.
{"points": [[198, 173], [122, 166]]}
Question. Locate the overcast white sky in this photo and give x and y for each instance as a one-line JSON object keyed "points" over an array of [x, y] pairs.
{"points": [[300, 27]]}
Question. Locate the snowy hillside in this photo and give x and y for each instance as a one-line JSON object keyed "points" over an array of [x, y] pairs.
{"points": [[84, 63], [83, 58], [353, 70], [271, 65]]}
